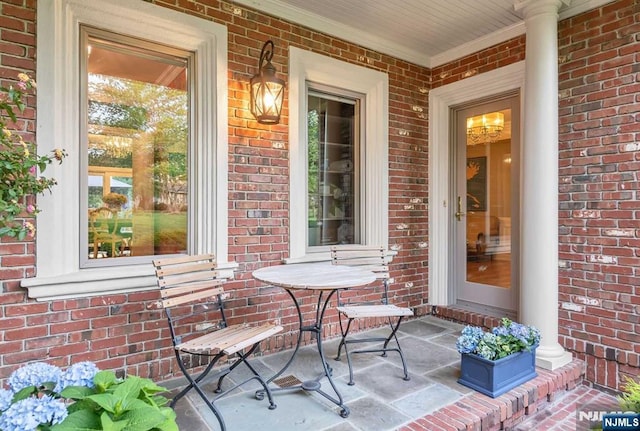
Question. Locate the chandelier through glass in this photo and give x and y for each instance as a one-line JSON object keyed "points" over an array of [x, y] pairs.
{"points": [[485, 128]]}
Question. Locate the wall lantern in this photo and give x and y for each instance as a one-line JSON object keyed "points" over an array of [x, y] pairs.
{"points": [[267, 90]]}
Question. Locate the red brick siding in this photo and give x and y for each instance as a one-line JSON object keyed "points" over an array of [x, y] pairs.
{"points": [[17, 49], [17, 258], [500, 55], [118, 331], [599, 65]]}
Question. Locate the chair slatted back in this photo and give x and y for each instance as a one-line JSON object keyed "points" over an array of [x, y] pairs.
{"points": [[189, 281], [103, 220], [374, 259]]}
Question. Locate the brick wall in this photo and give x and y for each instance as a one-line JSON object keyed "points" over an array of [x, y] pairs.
{"points": [[494, 57], [117, 330], [599, 56], [17, 258], [17, 52]]}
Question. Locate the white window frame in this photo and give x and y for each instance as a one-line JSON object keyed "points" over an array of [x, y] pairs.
{"points": [[374, 194], [58, 106], [356, 99]]}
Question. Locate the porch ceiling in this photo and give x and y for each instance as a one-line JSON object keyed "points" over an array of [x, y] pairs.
{"points": [[425, 32]]}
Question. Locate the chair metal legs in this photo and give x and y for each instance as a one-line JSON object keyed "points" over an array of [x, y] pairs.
{"points": [[345, 342], [194, 383]]}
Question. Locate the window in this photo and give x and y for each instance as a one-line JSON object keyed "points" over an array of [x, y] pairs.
{"points": [[64, 268], [339, 166], [136, 129], [333, 153]]}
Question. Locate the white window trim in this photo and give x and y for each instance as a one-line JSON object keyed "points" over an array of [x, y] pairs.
{"points": [[441, 100], [307, 66], [58, 238]]}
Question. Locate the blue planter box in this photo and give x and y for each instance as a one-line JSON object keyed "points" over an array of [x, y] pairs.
{"points": [[494, 378]]}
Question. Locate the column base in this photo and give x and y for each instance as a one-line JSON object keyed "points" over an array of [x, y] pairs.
{"points": [[552, 358]]}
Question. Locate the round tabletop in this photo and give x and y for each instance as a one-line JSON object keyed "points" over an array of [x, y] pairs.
{"points": [[314, 276]]}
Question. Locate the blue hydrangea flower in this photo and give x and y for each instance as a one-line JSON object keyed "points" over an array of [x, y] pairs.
{"points": [[5, 399], [35, 374], [521, 332], [80, 374], [535, 335], [28, 414], [500, 330], [473, 331], [468, 341]]}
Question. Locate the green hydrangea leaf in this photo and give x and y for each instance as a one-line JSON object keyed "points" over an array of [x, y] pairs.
{"points": [[110, 425], [24, 393], [76, 392], [81, 420], [104, 379], [128, 391], [107, 401], [144, 418], [170, 423]]}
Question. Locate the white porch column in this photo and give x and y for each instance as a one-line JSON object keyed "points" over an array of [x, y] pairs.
{"points": [[539, 198]]}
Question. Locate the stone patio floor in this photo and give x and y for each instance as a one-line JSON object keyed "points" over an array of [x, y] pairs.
{"points": [[381, 400]]}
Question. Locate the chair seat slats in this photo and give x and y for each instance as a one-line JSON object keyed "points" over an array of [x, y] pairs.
{"points": [[229, 340], [255, 335], [359, 311]]}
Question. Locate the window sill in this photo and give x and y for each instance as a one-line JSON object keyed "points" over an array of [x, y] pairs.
{"points": [[100, 281]]}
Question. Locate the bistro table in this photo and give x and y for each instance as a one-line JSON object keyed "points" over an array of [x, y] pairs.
{"points": [[324, 279]]}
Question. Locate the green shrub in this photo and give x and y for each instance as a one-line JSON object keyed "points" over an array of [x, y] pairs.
{"points": [[630, 399], [21, 167]]}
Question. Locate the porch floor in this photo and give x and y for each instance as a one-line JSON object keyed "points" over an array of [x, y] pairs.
{"points": [[381, 400]]}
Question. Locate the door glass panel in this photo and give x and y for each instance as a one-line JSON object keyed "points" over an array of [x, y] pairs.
{"points": [[488, 199], [137, 138]]}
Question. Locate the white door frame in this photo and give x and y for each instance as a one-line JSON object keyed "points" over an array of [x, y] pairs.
{"points": [[441, 100]]}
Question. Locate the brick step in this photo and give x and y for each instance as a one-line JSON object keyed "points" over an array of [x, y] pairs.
{"points": [[561, 414], [478, 412]]}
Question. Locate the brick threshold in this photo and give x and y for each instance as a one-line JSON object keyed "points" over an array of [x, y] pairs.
{"points": [[478, 412]]}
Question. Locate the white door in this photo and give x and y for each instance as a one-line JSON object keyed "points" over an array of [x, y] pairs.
{"points": [[485, 210]]}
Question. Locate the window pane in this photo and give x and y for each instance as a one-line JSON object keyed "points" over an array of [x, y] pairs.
{"points": [[137, 135], [332, 181]]}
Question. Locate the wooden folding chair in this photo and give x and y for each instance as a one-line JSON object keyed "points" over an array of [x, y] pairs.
{"points": [[374, 259], [192, 297], [103, 229]]}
